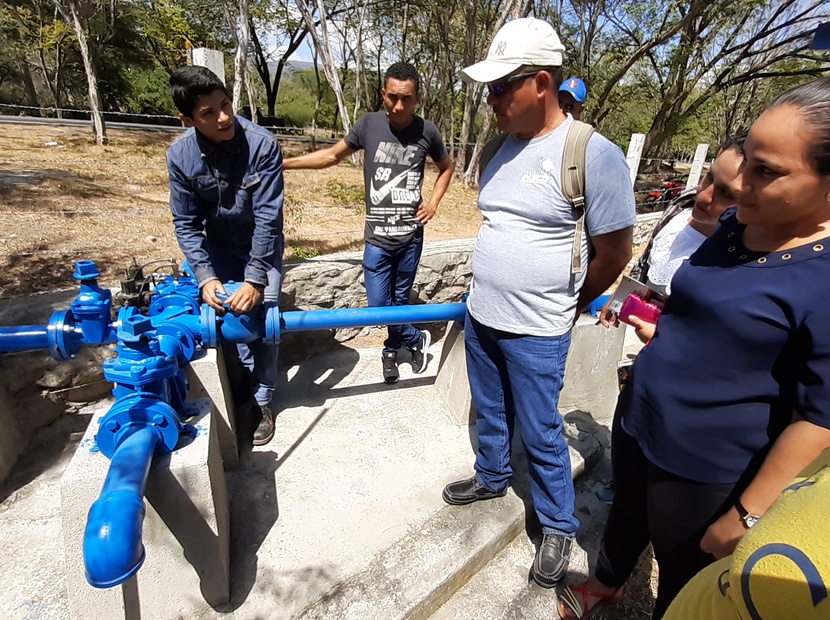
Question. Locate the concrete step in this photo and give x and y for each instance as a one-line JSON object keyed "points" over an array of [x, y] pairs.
{"points": [[341, 516], [503, 589]]}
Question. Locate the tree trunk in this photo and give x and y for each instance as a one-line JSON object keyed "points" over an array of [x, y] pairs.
{"points": [[317, 102], [29, 87], [361, 88], [404, 29], [470, 178], [470, 91], [512, 9], [321, 42], [99, 128], [240, 61]]}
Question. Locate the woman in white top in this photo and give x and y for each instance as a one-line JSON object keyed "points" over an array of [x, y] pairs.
{"points": [[687, 222]]}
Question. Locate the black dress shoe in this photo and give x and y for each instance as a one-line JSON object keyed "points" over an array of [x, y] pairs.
{"points": [[551, 563], [469, 491]]}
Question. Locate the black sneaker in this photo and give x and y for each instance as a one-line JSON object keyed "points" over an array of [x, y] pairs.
{"points": [[264, 432], [390, 367], [551, 563], [419, 353]]}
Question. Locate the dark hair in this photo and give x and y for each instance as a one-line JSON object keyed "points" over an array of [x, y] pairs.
{"points": [[404, 72], [813, 103], [556, 74], [189, 83], [735, 143]]}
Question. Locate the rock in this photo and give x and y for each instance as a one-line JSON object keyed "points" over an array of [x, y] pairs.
{"points": [[58, 378]]}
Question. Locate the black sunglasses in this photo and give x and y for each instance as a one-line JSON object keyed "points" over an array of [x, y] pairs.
{"points": [[500, 88]]}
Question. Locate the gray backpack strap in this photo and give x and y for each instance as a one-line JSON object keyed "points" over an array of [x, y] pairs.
{"points": [[573, 183], [489, 151]]}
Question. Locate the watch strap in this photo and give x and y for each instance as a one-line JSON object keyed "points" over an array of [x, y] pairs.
{"points": [[747, 518], [742, 512]]}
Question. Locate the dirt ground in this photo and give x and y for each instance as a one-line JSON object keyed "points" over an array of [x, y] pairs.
{"points": [[64, 199]]}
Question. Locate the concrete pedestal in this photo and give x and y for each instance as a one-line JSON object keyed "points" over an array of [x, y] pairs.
{"points": [[590, 373], [186, 531], [207, 377], [451, 382], [591, 370]]}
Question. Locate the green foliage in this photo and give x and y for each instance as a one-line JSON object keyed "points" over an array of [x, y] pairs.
{"points": [[147, 91], [304, 252]]}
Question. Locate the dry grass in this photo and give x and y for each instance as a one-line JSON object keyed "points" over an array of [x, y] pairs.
{"points": [[65, 199]]}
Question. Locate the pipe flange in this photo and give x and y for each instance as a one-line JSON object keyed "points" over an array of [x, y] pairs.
{"points": [[60, 332], [272, 323], [132, 413], [210, 331], [182, 335]]}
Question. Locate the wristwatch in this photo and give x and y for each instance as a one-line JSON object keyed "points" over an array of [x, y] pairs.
{"points": [[747, 517]]}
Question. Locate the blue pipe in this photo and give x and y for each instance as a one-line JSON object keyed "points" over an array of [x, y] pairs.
{"points": [[24, 338], [113, 551], [362, 317]]}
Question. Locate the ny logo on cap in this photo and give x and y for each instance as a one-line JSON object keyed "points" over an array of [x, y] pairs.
{"points": [[500, 48], [572, 84]]}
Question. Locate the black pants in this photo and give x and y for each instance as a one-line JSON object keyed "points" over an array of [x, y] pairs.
{"points": [[652, 505]]}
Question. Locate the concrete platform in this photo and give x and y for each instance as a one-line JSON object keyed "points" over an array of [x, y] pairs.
{"points": [[339, 517], [185, 530]]}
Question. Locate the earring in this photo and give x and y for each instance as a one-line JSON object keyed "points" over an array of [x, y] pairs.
{"points": [[828, 197]]}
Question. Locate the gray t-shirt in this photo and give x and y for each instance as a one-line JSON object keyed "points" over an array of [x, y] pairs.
{"points": [[393, 173], [522, 281]]}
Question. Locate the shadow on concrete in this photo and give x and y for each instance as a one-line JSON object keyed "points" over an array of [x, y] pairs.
{"points": [[200, 545], [52, 446], [317, 378], [254, 511]]}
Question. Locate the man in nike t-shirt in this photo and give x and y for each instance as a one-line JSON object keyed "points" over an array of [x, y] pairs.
{"points": [[397, 143]]}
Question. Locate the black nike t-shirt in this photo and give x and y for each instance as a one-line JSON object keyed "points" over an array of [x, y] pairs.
{"points": [[393, 173]]}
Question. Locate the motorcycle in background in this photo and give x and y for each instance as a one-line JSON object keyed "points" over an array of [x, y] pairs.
{"points": [[659, 198]]}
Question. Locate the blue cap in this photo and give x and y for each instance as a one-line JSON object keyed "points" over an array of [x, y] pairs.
{"points": [[576, 88], [821, 38]]}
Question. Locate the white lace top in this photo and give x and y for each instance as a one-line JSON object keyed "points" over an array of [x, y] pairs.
{"points": [[672, 245]]}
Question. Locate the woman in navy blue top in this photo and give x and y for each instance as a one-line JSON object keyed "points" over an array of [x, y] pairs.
{"points": [[731, 399]]}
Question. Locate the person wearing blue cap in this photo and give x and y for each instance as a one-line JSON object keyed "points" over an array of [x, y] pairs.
{"points": [[572, 96]]}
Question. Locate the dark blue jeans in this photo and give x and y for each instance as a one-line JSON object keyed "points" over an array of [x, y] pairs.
{"points": [[259, 358], [516, 378], [389, 277]]}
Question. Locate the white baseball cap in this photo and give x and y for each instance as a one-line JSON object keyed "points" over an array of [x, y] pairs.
{"points": [[524, 41]]}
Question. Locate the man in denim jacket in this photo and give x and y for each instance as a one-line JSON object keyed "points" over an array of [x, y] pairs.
{"points": [[226, 195]]}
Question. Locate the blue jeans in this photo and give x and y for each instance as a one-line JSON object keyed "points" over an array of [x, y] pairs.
{"points": [[518, 378], [258, 357], [389, 277]]}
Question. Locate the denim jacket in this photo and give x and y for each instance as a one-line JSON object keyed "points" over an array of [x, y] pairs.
{"points": [[231, 193]]}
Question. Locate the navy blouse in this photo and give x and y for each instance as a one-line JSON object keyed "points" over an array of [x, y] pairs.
{"points": [[743, 342]]}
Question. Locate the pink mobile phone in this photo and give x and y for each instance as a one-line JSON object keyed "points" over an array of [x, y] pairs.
{"points": [[639, 307]]}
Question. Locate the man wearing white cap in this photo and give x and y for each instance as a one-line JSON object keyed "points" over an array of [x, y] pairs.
{"points": [[526, 290]]}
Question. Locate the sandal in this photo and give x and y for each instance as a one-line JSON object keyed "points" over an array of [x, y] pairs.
{"points": [[569, 605]]}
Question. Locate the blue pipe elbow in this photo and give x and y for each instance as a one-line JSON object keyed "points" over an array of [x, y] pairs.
{"points": [[113, 551]]}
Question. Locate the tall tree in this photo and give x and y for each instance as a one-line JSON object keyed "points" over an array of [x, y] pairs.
{"points": [[95, 18], [323, 47]]}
